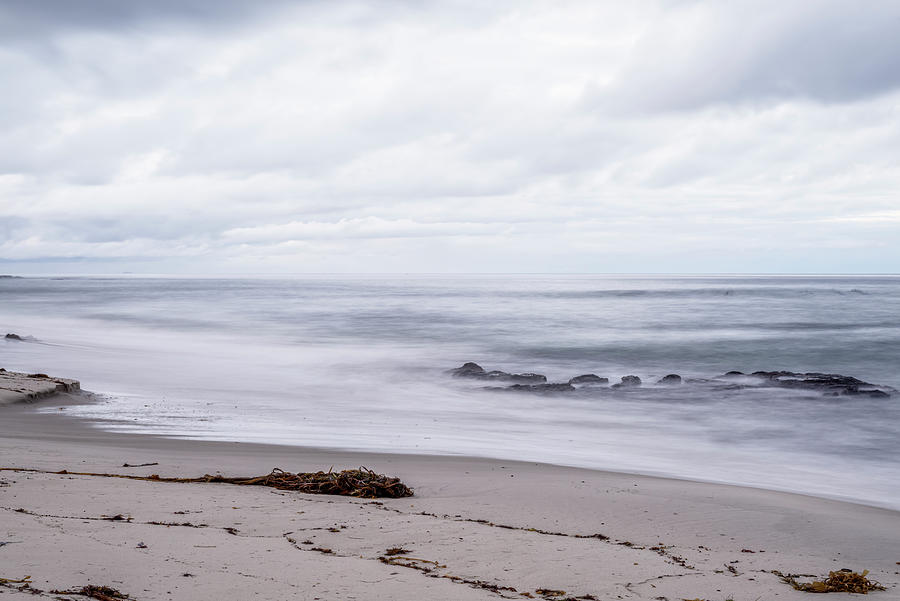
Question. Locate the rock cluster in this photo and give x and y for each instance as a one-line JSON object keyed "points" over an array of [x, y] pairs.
{"points": [[475, 371], [531, 382], [628, 382], [826, 384], [589, 379]]}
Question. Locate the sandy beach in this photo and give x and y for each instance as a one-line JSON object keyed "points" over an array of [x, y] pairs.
{"points": [[475, 529], [449, 301]]}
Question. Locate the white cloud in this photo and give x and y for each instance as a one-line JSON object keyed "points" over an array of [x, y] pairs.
{"points": [[367, 227], [886, 218], [450, 136]]}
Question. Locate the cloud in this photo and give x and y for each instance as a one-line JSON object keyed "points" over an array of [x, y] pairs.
{"points": [[695, 54], [449, 136], [27, 19], [886, 218], [367, 227]]}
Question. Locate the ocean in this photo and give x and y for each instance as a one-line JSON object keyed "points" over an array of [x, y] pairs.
{"points": [[360, 363]]}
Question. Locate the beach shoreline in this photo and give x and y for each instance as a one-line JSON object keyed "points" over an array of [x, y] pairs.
{"points": [[46, 417], [312, 362], [522, 526]]}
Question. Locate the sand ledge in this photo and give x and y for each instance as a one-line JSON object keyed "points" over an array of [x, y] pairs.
{"points": [[16, 387]]}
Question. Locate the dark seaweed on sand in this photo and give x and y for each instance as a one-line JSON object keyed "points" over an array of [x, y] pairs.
{"points": [[101, 593], [842, 581], [361, 482]]}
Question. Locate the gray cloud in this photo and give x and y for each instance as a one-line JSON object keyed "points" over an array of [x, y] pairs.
{"points": [[704, 53], [25, 18]]}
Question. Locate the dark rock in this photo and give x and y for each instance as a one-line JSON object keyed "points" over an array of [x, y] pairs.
{"points": [[13, 337], [774, 375], [528, 377], [791, 379], [589, 379], [494, 375], [628, 382], [562, 387], [468, 370], [829, 384], [875, 394], [475, 371], [502, 376], [833, 385]]}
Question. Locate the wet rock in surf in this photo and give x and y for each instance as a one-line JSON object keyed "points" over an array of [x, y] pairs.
{"points": [[589, 379], [475, 371], [833, 385], [468, 370], [628, 382], [829, 384], [505, 377], [14, 337], [542, 388], [733, 374], [875, 394], [528, 377], [774, 375]]}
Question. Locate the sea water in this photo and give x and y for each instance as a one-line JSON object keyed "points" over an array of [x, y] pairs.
{"points": [[359, 363]]}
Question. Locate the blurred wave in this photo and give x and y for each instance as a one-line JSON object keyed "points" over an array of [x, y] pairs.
{"points": [[358, 363]]}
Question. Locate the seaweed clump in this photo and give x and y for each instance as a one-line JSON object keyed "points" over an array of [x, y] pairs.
{"points": [[360, 482], [101, 593], [842, 581]]}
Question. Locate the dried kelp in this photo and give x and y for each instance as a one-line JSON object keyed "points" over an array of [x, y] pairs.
{"points": [[22, 585], [361, 482], [481, 584], [411, 562], [101, 593], [842, 581]]}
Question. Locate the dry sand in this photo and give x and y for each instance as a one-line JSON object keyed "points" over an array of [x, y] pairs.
{"points": [[518, 526]]}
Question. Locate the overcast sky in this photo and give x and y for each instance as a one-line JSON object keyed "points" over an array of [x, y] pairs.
{"points": [[231, 136]]}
